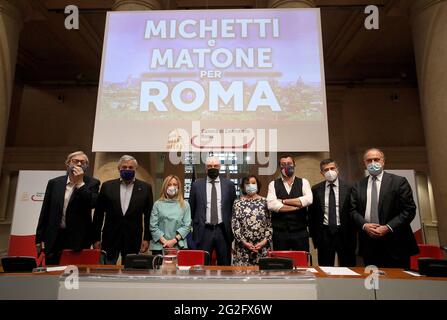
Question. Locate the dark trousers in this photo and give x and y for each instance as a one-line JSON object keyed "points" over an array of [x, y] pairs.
{"points": [[329, 244], [53, 257], [214, 239], [375, 253], [290, 240]]}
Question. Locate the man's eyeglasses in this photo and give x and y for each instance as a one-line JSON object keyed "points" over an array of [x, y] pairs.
{"points": [[77, 161]]}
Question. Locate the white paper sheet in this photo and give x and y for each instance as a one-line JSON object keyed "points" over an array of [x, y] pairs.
{"points": [[339, 271]]}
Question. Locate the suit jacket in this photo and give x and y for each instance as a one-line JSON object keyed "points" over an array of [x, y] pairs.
{"points": [[122, 231], [396, 209], [316, 214], [78, 217], [197, 202]]}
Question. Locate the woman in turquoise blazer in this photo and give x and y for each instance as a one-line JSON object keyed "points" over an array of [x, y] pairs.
{"points": [[170, 220]]}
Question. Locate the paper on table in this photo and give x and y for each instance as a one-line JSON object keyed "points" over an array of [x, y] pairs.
{"points": [[414, 274], [339, 271], [313, 270], [61, 268]]}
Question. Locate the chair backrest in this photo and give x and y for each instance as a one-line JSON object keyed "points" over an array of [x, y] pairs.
{"points": [[192, 257], [86, 256], [25, 246], [426, 251], [300, 258]]}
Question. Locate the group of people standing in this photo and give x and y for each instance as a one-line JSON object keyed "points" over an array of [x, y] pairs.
{"points": [[377, 210]]}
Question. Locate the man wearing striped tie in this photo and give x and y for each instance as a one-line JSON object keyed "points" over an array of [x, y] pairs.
{"points": [[382, 207]]}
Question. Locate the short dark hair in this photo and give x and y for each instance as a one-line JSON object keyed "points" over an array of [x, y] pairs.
{"points": [[286, 156], [246, 179], [325, 162]]}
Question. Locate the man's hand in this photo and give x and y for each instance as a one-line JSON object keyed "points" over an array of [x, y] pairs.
{"points": [[97, 245], [144, 246], [371, 230], [40, 247], [382, 230], [77, 175]]}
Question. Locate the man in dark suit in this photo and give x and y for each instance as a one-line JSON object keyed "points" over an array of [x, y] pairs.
{"points": [[382, 207], [65, 220], [211, 201], [331, 227], [124, 202]]}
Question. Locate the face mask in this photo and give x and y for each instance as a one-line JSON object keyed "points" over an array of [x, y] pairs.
{"points": [[374, 168], [331, 175], [251, 188], [287, 171], [213, 173], [172, 191], [127, 175], [84, 168]]}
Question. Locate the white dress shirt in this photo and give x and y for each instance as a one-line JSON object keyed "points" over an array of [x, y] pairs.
{"points": [[125, 195], [274, 204], [209, 187], [368, 195], [69, 188], [326, 201]]}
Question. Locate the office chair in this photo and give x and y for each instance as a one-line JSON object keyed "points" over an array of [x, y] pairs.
{"points": [[300, 258], [85, 256], [426, 251], [193, 257]]}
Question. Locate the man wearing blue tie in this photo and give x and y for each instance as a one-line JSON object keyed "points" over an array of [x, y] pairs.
{"points": [[382, 207], [211, 201]]}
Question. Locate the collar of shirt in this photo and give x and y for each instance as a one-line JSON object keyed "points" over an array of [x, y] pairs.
{"points": [[209, 180], [127, 184], [69, 182], [379, 177], [335, 183], [284, 180]]}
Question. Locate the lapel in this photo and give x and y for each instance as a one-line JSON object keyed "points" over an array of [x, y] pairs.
{"points": [[384, 186], [203, 192], [61, 184], [135, 191], [363, 188], [320, 193], [116, 195], [341, 195]]}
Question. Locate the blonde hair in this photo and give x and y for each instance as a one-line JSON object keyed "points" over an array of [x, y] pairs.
{"points": [[74, 154], [164, 188]]}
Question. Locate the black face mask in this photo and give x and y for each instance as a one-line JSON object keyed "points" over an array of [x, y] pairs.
{"points": [[212, 173]]}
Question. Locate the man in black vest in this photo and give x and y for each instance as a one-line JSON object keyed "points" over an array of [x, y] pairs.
{"points": [[288, 198]]}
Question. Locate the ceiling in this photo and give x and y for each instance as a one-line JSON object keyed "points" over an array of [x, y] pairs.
{"points": [[48, 53]]}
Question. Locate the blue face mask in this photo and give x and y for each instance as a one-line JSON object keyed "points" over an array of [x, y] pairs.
{"points": [[374, 168], [127, 175], [251, 188], [287, 170]]}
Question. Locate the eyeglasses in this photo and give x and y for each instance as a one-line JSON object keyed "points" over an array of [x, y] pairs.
{"points": [[76, 161]]}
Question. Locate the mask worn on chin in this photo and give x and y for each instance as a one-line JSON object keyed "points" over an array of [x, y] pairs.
{"points": [[287, 171], [374, 168], [331, 175], [251, 188], [127, 175], [172, 191], [213, 173]]}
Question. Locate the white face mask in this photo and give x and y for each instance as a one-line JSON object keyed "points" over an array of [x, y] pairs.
{"points": [[172, 191], [331, 175]]}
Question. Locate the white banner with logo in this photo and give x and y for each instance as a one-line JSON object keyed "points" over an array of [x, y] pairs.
{"points": [[30, 192]]}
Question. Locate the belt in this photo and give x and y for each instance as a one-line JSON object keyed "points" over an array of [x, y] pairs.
{"points": [[213, 226]]}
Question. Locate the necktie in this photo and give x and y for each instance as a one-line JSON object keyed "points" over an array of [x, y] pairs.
{"points": [[214, 218], [374, 213], [332, 210]]}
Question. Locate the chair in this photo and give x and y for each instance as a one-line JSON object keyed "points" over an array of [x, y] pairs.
{"points": [[192, 257], [25, 246], [300, 258], [86, 256], [426, 251]]}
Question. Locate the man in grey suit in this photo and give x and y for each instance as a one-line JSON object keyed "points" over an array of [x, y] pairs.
{"points": [[211, 201]]}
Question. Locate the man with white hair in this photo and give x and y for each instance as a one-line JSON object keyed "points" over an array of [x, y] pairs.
{"points": [[65, 220], [211, 201], [124, 202]]}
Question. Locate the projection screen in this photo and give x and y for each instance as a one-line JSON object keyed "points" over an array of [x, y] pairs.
{"points": [[242, 80]]}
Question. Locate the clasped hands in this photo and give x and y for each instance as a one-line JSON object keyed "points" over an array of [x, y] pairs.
{"points": [[375, 230]]}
